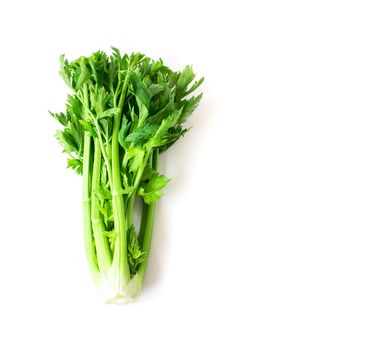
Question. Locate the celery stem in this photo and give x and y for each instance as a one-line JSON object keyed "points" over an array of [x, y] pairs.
{"points": [[88, 233], [101, 242], [147, 223], [120, 261]]}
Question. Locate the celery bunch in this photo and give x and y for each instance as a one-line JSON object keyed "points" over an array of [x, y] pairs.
{"points": [[123, 110]]}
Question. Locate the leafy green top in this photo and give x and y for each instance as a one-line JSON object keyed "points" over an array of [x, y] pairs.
{"points": [[156, 106]]}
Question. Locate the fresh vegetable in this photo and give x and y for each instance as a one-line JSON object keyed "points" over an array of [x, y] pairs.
{"points": [[122, 112]]}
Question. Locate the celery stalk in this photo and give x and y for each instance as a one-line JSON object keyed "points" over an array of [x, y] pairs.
{"points": [[122, 112]]}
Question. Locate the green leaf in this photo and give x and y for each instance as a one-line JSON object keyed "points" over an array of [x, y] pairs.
{"points": [[160, 137], [98, 65], [60, 117], [116, 53], [174, 134], [88, 127], [137, 58], [140, 90], [156, 182], [194, 87], [75, 164], [65, 71], [185, 77], [157, 65], [151, 197], [127, 188], [109, 113], [74, 106], [133, 157], [121, 61], [98, 98], [82, 74], [142, 134], [189, 107], [107, 211], [148, 173], [123, 131], [76, 134], [66, 141], [111, 235], [134, 252], [102, 210], [162, 113], [155, 89], [106, 126], [150, 191], [143, 111], [103, 193], [137, 159]]}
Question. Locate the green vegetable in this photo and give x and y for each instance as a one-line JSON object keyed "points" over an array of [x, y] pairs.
{"points": [[122, 112]]}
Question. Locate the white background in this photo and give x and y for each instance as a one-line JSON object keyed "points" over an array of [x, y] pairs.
{"points": [[260, 236]]}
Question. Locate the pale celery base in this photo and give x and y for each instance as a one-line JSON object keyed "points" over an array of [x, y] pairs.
{"points": [[129, 293]]}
